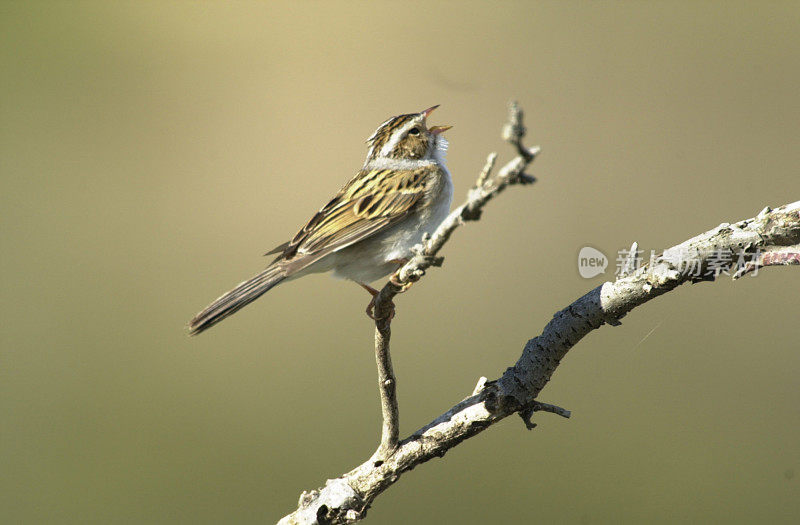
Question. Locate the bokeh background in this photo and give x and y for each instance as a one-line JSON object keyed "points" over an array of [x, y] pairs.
{"points": [[152, 151]]}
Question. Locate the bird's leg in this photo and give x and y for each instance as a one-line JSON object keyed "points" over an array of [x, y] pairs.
{"points": [[371, 306], [393, 279], [372, 291]]}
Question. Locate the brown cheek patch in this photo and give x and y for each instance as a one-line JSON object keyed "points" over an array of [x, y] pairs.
{"points": [[412, 146]]}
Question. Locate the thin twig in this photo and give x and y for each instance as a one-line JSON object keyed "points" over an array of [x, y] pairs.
{"points": [[537, 406], [487, 170], [514, 130], [387, 386]]}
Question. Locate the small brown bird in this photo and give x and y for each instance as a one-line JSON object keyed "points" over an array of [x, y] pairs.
{"points": [[367, 230]]}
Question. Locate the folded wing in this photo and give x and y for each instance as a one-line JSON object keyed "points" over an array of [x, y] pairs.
{"points": [[370, 203]]}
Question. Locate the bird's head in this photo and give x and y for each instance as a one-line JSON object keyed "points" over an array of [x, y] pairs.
{"points": [[407, 137]]}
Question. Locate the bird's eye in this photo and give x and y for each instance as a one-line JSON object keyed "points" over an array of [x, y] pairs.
{"points": [[413, 131]]}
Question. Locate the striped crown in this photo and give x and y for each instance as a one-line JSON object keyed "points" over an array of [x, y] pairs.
{"points": [[404, 137]]}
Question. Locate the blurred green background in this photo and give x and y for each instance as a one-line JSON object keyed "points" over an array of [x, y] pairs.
{"points": [[152, 151]]}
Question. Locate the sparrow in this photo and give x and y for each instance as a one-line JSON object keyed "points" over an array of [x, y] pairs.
{"points": [[367, 230]]}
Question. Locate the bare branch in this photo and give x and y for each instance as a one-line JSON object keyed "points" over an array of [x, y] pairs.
{"points": [[537, 406], [770, 256], [487, 170], [387, 386], [774, 235]]}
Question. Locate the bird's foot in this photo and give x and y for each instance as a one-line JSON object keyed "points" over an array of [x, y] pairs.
{"points": [[402, 286], [395, 280]]}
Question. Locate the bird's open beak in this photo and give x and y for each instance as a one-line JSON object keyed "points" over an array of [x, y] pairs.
{"points": [[435, 130]]}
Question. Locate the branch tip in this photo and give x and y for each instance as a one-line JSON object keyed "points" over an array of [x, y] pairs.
{"points": [[537, 406], [632, 261], [486, 171], [480, 386]]}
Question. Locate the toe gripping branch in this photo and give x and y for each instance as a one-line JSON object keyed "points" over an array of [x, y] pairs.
{"points": [[412, 272]]}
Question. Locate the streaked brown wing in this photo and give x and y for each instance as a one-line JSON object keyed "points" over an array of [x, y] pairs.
{"points": [[370, 202]]}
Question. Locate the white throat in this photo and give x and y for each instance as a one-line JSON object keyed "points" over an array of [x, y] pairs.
{"points": [[388, 163], [438, 156], [440, 146]]}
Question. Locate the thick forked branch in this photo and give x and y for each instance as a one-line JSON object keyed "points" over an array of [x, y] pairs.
{"points": [[771, 238]]}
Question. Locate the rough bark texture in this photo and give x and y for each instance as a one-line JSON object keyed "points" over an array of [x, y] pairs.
{"points": [[771, 238]]}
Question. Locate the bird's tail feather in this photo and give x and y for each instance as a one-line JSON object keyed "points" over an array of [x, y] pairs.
{"points": [[239, 297]]}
